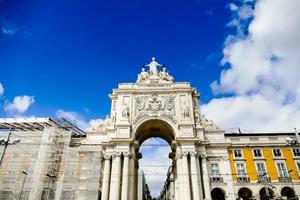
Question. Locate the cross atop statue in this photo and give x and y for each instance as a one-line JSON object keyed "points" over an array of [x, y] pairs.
{"points": [[153, 67]]}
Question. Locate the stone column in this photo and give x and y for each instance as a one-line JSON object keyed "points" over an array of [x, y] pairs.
{"points": [[106, 177], [194, 176], [176, 182], [179, 179], [186, 177], [230, 193], [131, 178], [206, 181], [199, 169], [172, 186], [115, 180], [125, 178]]}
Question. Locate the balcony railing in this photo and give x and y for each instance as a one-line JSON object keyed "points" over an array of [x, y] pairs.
{"points": [[284, 179], [243, 179], [263, 179], [216, 179]]}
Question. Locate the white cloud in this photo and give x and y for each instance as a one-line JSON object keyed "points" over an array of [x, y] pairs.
{"points": [[1, 89], [233, 7], [263, 77], [20, 104], [77, 119]]}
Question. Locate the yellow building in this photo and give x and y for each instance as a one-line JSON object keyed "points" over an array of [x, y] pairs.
{"points": [[264, 165]]}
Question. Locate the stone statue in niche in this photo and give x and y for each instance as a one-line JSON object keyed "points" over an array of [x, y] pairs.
{"points": [[185, 110], [113, 118], [125, 111]]}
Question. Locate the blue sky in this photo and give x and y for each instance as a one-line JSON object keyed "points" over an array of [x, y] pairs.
{"points": [[70, 54]]}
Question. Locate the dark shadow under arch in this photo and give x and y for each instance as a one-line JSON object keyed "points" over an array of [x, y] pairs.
{"points": [[287, 192], [266, 193], [245, 193], [154, 128], [217, 194]]}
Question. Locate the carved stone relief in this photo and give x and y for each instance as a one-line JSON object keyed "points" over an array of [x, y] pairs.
{"points": [[154, 105]]}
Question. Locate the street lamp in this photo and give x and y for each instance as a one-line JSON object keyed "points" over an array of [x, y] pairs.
{"points": [[25, 174]]}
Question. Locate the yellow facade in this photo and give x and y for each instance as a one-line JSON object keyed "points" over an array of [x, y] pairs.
{"points": [[268, 158]]}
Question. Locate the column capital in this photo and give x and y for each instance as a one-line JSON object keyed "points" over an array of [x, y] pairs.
{"points": [[116, 154], [185, 154], [194, 153], [127, 154], [106, 156], [178, 156], [203, 156]]}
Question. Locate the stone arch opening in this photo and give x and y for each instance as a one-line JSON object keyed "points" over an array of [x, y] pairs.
{"points": [[287, 192], [266, 193], [155, 128], [245, 193], [217, 194]]}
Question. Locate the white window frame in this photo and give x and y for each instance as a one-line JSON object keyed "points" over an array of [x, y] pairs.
{"points": [[238, 150], [274, 153], [298, 166], [265, 168], [237, 171], [211, 167], [261, 153], [294, 152], [286, 169]]}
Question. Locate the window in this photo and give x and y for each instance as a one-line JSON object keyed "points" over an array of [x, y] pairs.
{"points": [[257, 152], [237, 153], [261, 170], [296, 152], [277, 152], [241, 170], [298, 166], [282, 170], [215, 170]]}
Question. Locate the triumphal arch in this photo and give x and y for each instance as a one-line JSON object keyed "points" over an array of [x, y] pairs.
{"points": [[156, 106]]}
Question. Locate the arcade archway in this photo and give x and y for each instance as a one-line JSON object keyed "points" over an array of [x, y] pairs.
{"points": [[217, 194], [287, 192], [245, 193], [266, 193]]}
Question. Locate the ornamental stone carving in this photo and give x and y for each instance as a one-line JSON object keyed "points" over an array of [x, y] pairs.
{"points": [[107, 156], [154, 105]]}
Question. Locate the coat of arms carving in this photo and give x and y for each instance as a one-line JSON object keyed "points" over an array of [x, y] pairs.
{"points": [[154, 105]]}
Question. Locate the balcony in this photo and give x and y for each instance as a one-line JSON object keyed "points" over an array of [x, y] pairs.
{"points": [[243, 179], [284, 179], [216, 179], [263, 179]]}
